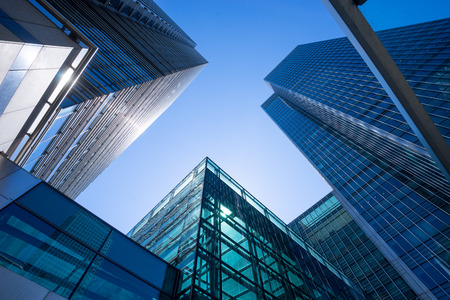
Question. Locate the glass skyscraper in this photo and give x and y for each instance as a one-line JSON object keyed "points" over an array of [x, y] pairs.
{"points": [[229, 246], [330, 105], [141, 62], [330, 230]]}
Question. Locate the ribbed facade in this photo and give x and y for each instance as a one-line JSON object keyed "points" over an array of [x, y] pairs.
{"points": [[333, 109], [142, 64], [229, 246]]}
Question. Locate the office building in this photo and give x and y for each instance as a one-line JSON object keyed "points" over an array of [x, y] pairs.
{"points": [[229, 246], [134, 63], [330, 230], [330, 105], [36, 57], [52, 248]]}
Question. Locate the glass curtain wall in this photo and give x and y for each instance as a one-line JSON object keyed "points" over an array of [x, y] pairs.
{"points": [[170, 229], [229, 246], [331, 230], [54, 242]]}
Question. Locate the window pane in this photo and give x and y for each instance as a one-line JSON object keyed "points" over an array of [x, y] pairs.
{"points": [[37, 251], [135, 258], [107, 281], [64, 213]]}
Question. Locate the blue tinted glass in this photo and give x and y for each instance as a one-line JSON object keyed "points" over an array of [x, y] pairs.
{"points": [[56, 126], [37, 251], [9, 86], [39, 150], [135, 258], [64, 213], [104, 280]]}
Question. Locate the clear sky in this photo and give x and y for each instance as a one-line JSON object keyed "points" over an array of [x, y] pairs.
{"points": [[219, 114]]}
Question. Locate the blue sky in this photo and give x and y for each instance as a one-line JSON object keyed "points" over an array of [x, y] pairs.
{"points": [[219, 114]]}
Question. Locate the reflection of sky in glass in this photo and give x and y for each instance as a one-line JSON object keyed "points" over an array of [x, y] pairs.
{"points": [[49, 136]]}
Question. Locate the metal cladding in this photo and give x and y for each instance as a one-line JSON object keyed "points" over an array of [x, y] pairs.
{"points": [[142, 65]]}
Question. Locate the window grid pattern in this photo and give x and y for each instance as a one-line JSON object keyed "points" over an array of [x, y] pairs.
{"points": [[129, 53], [332, 73], [332, 231], [239, 252], [402, 155], [170, 229], [138, 70], [412, 220], [148, 13], [102, 128]]}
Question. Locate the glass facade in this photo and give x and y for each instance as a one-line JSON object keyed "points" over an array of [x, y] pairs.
{"points": [[328, 228], [54, 242], [229, 246], [333, 109], [142, 65]]}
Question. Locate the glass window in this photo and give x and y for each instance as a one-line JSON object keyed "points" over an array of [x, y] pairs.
{"points": [[104, 280], [230, 182], [67, 215], [39, 252], [183, 184], [136, 259], [39, 150], [424, 277]]}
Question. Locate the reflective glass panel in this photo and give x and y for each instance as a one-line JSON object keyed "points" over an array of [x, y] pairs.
{"points": [[137, 260], [67, 215], [107, 281], [39, 252]]}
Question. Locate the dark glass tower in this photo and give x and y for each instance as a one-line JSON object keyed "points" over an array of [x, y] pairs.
{"points": [[229, 246], [143, 61], [329, 229], [333, 109]]}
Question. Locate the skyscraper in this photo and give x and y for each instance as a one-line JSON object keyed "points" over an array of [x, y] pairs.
{"points": [[229, 246], [333, 109], [143, 61], [330, 230]]}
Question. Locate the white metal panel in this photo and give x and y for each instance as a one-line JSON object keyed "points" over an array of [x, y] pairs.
{"points": [[10, 124], [51, 57], [8, 53], [31, 89]]}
